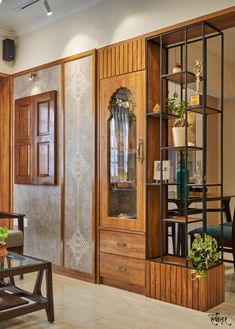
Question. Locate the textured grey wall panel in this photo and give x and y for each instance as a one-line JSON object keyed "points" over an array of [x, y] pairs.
{"points": [[79, 164], [41, 204]]}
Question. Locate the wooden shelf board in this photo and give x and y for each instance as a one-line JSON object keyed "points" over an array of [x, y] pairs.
{"points": [[165, 116], [182, 220], [180, 77], [182, 148], [163, 183], [170, 260], [8, 301], [199, 109]]}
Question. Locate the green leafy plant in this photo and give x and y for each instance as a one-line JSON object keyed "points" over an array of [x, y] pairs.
{"points": [[3, 234], [178, 109], [204, 251]]}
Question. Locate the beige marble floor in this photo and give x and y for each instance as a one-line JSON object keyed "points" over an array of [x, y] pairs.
{"points": [[80, 305]]}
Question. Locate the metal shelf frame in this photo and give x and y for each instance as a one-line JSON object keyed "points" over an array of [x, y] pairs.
{"points": [[203, 27]]}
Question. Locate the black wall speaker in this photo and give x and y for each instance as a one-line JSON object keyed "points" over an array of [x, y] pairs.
{"points": [[8, 50]]}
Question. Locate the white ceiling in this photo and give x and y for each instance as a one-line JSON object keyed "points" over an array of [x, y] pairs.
{"points": [[15, 22]]}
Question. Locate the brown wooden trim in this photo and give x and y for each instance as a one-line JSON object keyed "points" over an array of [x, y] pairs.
{"points": [[54, 63], [4, 75], [62, 169], [11, 148], [97, 171], [73, 273], [120, 230], [94, 179]]}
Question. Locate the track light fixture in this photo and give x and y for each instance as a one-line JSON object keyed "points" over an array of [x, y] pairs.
{"points": [[47, 8], [32, 2]]}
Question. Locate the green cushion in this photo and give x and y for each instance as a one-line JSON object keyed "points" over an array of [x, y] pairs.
{"points": [[215, 231], [228, 224]]}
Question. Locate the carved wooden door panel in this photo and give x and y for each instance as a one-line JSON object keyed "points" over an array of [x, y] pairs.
{"points": [[24, 141], [44, 141], [35, 139]]}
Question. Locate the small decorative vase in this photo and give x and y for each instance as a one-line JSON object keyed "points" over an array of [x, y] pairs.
{"points": [[179, 136], [180, 179], [3, 251]]}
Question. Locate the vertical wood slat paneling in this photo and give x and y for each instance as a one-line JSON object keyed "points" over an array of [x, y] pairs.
{"points": [[135, 54], [158, 281], [178, 286], [117, 60], [126, 57], [121, 58], [173, 278], [163, 282], [189, 290], [113, 71], [105, 63], [168, 283], [153, 276], [109, 62], [101, 64], [173, 284], [130, 57], [184, 286]]}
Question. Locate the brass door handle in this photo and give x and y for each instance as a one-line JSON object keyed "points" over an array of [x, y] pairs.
{"points": [[121, 268], [121, 244], [140, 151]]}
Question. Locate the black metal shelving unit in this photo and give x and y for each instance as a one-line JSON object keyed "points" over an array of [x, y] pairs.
{"points": [[181, 39]]}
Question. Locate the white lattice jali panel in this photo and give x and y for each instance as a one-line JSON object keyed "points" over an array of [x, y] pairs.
{"points": [[79, 164], [78, 246]]}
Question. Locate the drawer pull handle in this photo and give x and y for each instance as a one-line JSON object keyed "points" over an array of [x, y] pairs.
{"points": [[121, 268], [121, 244]]}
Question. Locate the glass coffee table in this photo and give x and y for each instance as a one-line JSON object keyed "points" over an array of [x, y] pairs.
{"points": [[15, 301]]}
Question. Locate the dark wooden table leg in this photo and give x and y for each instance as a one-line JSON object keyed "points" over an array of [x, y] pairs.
{"points": [[226, 203], [49, 293]]}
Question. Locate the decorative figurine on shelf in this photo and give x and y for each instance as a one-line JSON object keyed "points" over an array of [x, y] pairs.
{"points": [[177, 68], [157, 108], [195, 99], [197, 177]]}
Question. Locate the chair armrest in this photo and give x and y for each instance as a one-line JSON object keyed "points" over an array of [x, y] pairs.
{"points": [[20, 218]]}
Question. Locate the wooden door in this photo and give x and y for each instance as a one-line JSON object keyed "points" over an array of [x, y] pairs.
{"points": [[135, 84], [44, 141], [35, 139], [24, 141]]}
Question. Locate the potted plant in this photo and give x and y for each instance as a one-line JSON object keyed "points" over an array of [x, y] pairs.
{"points": [[3, 236], [178, 129], [204, 251]]}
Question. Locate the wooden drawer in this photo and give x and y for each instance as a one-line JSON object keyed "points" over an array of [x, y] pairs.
{"points": [[124, 244], [123, 270]]}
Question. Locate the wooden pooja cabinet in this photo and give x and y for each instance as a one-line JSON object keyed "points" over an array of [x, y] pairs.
{"points": [[122, 167]]}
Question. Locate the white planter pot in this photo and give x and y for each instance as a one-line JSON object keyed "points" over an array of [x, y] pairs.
{"points": [[179, 136]]}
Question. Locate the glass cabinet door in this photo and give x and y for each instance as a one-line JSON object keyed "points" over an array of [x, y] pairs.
{"points": [[122, 161], [122, 156]]}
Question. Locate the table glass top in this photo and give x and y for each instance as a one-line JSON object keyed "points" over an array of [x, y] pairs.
{"points": [[13, 261]]}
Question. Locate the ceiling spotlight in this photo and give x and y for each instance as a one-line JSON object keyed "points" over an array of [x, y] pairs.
{"points": [[32, 76], [47, 8]]}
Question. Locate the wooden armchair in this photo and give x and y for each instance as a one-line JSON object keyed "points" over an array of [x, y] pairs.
{"points": [[15, 240], [228, 241]]}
